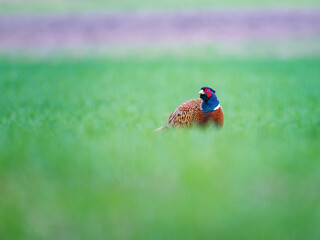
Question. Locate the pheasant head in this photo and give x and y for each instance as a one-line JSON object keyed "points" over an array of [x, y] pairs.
{"points": [[210, 100]]}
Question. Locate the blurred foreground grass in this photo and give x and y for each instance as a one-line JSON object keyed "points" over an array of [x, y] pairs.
{"points": [[79, 158]]}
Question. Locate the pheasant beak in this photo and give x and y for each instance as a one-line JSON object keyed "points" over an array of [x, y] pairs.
{"points": [[201, 92]]}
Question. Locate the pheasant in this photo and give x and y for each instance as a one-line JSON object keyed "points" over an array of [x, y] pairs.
{"points": [[199, 111]]}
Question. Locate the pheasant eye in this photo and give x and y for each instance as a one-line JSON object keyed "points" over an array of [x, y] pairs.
{"points": [[209, 93]]}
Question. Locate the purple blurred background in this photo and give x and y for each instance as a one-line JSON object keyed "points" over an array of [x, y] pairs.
{"points": [[287, 30]]}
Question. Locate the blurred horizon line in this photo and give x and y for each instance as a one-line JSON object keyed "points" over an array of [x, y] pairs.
{"points": [[230, 30]]}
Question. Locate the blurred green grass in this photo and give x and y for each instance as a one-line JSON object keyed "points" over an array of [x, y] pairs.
{"points": [[80, 160], [37, 6]]}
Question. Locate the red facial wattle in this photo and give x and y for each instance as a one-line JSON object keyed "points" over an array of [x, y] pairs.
{"points": [[208, 92]]}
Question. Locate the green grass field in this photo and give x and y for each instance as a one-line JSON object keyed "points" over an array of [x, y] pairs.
{"points": [[62, 6], [80, 160]]}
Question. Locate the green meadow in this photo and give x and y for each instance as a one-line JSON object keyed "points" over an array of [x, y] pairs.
{"points": [[79, 158], [76, 6]]}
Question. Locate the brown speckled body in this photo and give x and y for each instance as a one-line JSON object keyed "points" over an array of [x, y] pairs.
{"points": [[190, 113]]}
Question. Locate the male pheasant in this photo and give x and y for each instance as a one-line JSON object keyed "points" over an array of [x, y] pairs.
{"points": [[201, 111]]}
